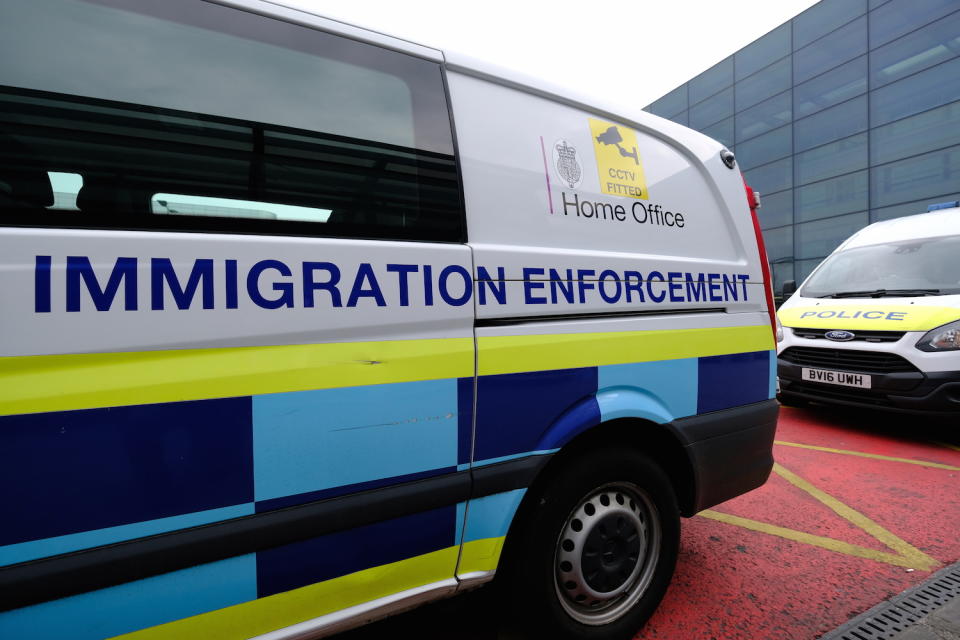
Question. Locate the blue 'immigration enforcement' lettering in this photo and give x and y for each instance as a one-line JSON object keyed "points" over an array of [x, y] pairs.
{"points": [[850, 315], [274, 284]]}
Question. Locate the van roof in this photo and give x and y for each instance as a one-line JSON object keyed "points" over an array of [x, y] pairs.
{"points": [[945, 222], [630, 115]]}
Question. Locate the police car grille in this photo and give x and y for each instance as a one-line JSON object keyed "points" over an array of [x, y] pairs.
{"points": [[829, 392], [865, 336], [847, 360]]}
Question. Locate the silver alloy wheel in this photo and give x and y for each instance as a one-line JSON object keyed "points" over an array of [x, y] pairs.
{"points": [[606, 553]]}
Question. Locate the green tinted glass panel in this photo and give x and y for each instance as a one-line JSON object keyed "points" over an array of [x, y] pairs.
{"points": [[766, 148], [763, 51], [776, 210], [832, 197], [712, 109], [770, 178], [844, 44], [760, 86], [766, 116], [824, 17], [927, 47], [898, 17], [832, 159], [831, 124], [915, 178], [925, 90], [917, 134], [833, 87], [818, 239], [711, 81]]}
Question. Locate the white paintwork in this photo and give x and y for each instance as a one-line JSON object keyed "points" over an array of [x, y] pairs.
{"points": [[509, 215], [935, 224], [91, 331], [945, 222]]}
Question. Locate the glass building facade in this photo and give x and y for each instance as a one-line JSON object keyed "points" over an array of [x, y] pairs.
{"points": [[845, 115]]}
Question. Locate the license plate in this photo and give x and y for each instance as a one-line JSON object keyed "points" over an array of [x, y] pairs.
{"points": [[836, 377]]}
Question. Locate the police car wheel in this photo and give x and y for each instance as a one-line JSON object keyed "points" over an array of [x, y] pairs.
{"points": [[600, 548]]}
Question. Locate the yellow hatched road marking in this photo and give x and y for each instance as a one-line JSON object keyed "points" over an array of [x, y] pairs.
{"points": [[861, 454], [516, 354], [809, 538], [906, 555]]}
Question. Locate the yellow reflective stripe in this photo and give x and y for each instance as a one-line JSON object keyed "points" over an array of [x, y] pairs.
{"points": [[869, 315], [480, 555], [284, 609], [32, 384], [515, 354]]}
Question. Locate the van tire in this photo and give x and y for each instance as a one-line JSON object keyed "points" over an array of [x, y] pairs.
{"points": [[615, 499]]}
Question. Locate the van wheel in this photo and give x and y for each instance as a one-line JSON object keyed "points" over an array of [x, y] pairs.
{"points": [[597, 548]]}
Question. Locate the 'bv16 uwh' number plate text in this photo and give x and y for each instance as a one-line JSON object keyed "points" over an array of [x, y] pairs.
{"points": [[836, 377]]}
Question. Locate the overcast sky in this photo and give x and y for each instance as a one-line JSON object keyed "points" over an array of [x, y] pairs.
{"points": [[634, 50]]}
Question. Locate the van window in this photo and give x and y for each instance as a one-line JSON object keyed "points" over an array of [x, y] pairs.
{"points": [[199, 100], [926, 266]]}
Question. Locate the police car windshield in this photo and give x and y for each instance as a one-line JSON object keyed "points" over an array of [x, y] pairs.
{"points": [[908, 268]]}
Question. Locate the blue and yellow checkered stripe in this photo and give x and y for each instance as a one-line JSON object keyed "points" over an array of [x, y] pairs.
{"points": [[109, 447]]}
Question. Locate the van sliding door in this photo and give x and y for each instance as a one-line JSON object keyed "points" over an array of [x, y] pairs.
{"points": [[237, 327]]}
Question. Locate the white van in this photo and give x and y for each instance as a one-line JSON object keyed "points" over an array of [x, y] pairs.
{"points": [[878, 321], [303, 325]]}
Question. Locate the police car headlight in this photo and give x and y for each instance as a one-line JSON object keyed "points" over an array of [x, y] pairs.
{"points": [[945, 338], [779, 330]]}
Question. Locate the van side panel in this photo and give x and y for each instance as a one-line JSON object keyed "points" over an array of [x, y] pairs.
{"points": [[629, 280], [575, 222], [237, 358], [109, 447]]}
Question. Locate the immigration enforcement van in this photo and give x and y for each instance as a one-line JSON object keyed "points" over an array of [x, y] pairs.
{"points": [[878, 322], [303, 325]]}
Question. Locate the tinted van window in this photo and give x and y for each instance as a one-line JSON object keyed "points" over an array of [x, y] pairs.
{"points": [[196, 100]]}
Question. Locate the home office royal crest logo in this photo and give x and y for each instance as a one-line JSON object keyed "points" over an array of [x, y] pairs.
{"points": [[567, 164]]}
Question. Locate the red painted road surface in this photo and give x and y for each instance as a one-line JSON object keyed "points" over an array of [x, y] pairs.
{"points": [[732, 582], [832, 533]]}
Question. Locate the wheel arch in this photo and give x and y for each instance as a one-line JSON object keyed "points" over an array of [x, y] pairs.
{"points": [[657, 441]]}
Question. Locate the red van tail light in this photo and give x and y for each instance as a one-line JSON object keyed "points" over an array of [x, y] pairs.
{"points": [[753, 201]]}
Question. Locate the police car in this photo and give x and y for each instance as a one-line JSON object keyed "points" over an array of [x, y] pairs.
{"points": [[305, 325], [878, 322]]}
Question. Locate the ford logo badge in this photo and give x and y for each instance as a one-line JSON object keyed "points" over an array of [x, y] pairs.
{"points": [[839, 336]]}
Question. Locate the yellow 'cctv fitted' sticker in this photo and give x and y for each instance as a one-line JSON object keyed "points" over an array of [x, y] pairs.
{"points": [[618, 160], [869, 316]]}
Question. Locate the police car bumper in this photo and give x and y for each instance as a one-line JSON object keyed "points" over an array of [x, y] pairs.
{"points": [[914, 392]]}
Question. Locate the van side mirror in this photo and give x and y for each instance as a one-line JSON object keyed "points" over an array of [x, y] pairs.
{"points": [[789, 287]]}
